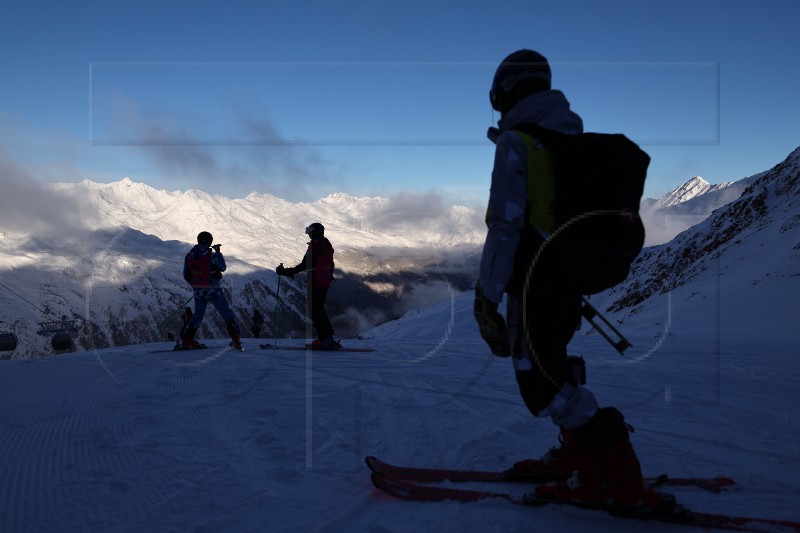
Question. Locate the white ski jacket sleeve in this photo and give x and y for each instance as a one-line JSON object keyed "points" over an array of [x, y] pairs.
{"points": [[505, 216]]}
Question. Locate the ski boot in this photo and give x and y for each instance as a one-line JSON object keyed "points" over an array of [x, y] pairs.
{"points": [[608, 471], [188, 342], [233, 331]]}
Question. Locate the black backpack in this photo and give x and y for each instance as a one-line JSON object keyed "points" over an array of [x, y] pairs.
{"points": [[599, 182]]}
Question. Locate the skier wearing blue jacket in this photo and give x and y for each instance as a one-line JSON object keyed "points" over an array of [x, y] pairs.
{"points": [[202, 269]]}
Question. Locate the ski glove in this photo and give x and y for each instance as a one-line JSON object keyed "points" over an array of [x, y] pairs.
{"points": [[491, 325], [283, 271]]}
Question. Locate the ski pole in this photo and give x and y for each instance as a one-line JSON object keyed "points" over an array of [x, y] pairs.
{"points": [[589, 312], [277, 319], [171, 317]]}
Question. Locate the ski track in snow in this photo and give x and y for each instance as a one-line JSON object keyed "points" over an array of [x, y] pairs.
{"points": [[127, 440]]}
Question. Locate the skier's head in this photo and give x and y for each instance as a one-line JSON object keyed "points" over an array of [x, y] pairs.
{"points": [[521, 74], [315, 230], [205, 237]]}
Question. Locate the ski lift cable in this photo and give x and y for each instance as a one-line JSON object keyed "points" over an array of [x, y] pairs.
{"points": [[23, 298]]}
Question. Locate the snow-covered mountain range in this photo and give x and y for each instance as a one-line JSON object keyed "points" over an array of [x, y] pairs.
{"points": [[117, 271], [264, 230], [109, 256]]}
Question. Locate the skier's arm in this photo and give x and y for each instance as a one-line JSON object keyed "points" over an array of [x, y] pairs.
{"points": [[300, 267], [218, 262], [505, 216]]}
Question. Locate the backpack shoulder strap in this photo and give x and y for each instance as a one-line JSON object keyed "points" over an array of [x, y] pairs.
{"points": [[540, 165]]}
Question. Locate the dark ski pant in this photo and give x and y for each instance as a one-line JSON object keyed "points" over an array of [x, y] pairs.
{"points": [[319, 318], [215, 297], [548, 324]]}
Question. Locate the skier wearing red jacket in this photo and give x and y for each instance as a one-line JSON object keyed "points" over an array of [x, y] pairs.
{"points": [[317, 263]]}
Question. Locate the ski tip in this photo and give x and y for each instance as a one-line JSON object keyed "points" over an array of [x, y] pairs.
{"points": [[372, 462]]}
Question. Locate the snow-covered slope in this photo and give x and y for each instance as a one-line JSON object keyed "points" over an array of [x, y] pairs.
{"points": [[736, 272], [122, 439]]}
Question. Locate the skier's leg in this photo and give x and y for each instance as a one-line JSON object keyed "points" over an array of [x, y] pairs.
{"points": [[541, 338], [221, 304], [188, 333], [594, 441], [319, 318]]}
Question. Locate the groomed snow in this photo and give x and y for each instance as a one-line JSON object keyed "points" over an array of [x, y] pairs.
{"points": [[123, 439]]}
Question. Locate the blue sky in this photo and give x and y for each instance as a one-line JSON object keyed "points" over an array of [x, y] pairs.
{"points": [[302, 99]]}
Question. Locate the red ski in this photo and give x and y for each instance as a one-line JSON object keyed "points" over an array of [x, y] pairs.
{"points": [[308, 347], [711, 484], [673, 514]]}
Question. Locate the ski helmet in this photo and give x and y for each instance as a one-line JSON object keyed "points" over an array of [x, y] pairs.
{"points": [[520, 66], [205, 237], [315, 230]]}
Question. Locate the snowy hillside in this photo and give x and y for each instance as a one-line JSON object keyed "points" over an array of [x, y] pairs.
{"points": [[119, 286], [736, 273], [687, 205], [123, 439]]}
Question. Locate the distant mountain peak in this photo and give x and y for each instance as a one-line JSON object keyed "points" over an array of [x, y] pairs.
{"points": [[691, 189]]}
